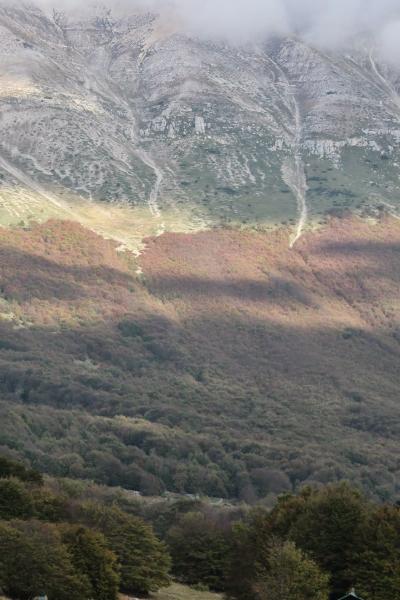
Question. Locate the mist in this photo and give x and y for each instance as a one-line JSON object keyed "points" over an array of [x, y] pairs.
{"points": [[322, 22], [325, 23]]}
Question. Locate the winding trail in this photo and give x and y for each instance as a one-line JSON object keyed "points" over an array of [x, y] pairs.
{"points": [[141, 153], [103, 85], [388, 86], [296, 177], [153, 198], [96, 85], [293, 169]]}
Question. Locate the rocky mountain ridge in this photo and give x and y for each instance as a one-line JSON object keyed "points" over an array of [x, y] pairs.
{"points": [[132, 127]]}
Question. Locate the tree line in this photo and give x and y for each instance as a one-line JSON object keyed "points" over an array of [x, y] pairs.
{"points": [[315, 545], [51, 545]]}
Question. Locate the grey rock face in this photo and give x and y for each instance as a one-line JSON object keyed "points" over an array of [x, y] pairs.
{"points": [[126, 109]]}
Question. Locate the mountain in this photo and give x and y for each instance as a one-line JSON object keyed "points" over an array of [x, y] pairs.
{"points": [[199, 272], [101, 112]]}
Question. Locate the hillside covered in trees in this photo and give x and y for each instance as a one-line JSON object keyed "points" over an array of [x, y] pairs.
{"points": [[65, 538], [243, 377], [51, 544]]}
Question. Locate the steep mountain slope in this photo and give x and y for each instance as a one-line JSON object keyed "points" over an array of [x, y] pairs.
{"points": [[126, 111], [250, 342], [245, 376]]}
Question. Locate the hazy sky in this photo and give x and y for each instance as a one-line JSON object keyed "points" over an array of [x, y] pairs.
{"points": [[323, 22]]}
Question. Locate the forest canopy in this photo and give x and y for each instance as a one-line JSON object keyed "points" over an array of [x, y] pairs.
{"points": [[242, 378], [318, 543]]}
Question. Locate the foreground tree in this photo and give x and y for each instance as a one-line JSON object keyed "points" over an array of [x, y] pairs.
{"points": [[353, 540], [33, 562], [249, 547], [91, 557], [199, 550], [328, 525], [376, 569], [143, 560], [290, 575]]}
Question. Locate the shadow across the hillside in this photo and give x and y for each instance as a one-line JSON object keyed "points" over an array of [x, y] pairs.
{"points": [[273, 289], [370, 247], [24, 276], [201, 406], [200, 393]]}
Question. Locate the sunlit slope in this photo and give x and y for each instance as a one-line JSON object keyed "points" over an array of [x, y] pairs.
{"points": [[244, 376]]}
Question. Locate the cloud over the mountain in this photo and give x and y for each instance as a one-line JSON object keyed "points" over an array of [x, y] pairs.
{"points": [[324, 22], [327, 23]]}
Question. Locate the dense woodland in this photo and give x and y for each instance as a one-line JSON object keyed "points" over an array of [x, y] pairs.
{"points": [[51, 544], [65, 538], [245, 377]]}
